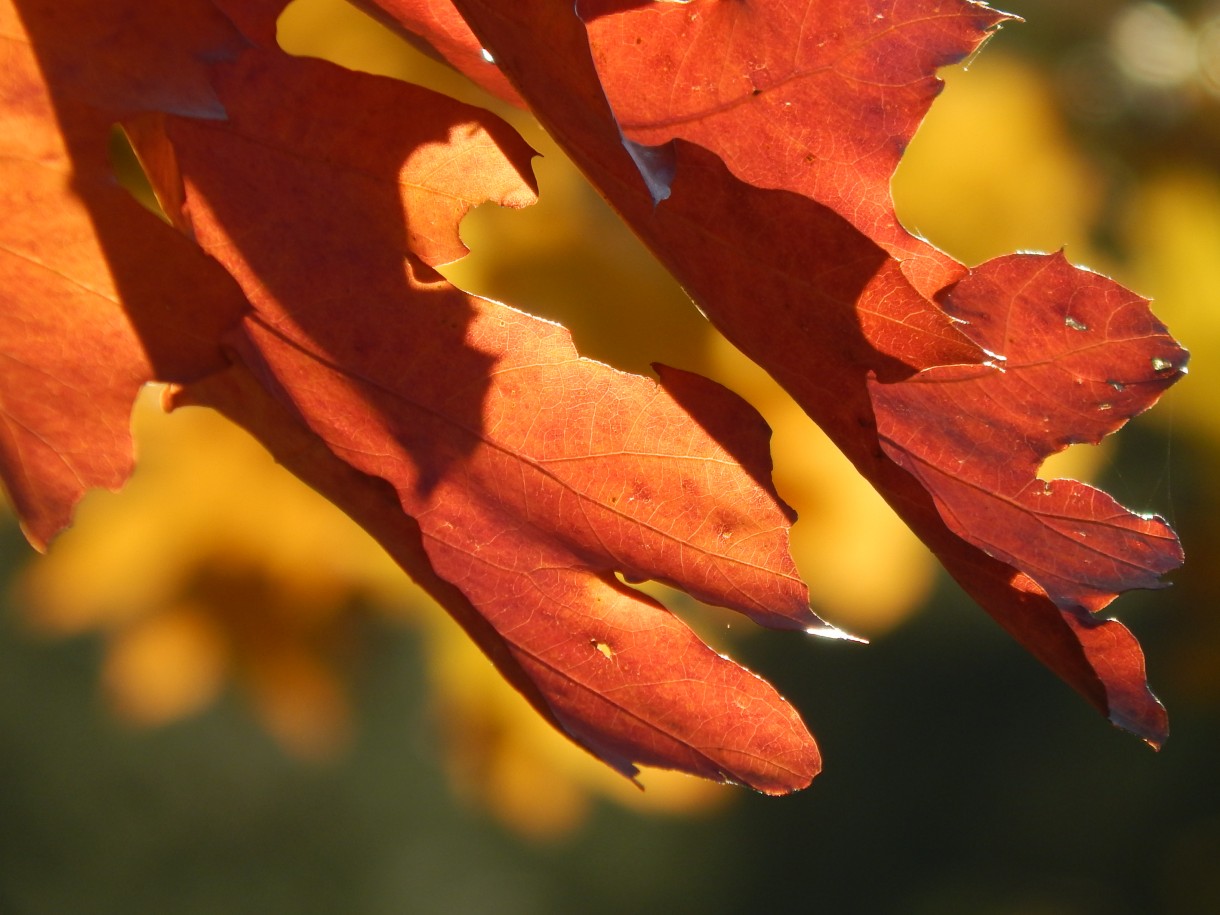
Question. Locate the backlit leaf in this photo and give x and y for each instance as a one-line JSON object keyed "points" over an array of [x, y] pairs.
{"points": [[98, 295], [533, 475], [836, 309]]}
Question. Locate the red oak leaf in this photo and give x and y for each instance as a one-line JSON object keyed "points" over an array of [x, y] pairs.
{"points": [[99, 296], [820, 98], [831, 296], [635, 683], [1077, 356], [531, 475]]}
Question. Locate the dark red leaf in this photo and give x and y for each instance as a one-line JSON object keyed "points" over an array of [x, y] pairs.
{"points": [[1076, 356]]}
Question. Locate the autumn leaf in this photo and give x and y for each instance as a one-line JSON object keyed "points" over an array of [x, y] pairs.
{"points": [[86, 323], [819, 98], [534, 475], [1102, 359], [521, 485], [702, 123], [582, 649]]}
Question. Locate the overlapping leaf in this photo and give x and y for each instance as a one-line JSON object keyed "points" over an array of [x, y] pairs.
{"points": [[613, 473], [725, 134], [528, 476], [751, 146], [86, 322]]}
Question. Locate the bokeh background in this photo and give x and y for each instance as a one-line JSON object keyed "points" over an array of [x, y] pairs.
{"points": [[216, 695]]}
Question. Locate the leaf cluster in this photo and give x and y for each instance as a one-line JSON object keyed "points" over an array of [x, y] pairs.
{"points": [[294, 288]]}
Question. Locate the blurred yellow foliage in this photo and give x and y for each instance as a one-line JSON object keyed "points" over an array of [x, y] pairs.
{"points": [[506, 758], [214, 565], [1173, 228], [213, 561], [992, 171]]}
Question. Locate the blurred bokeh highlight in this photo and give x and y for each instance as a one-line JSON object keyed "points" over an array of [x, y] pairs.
{"points": [[218, 695]]}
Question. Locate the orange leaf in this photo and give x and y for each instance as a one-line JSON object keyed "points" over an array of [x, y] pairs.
{"points": [[99, 295], [532, 475]]}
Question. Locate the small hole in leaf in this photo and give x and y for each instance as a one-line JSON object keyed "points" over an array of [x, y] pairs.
{"points": [[1081, 461], [602, 647]]}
